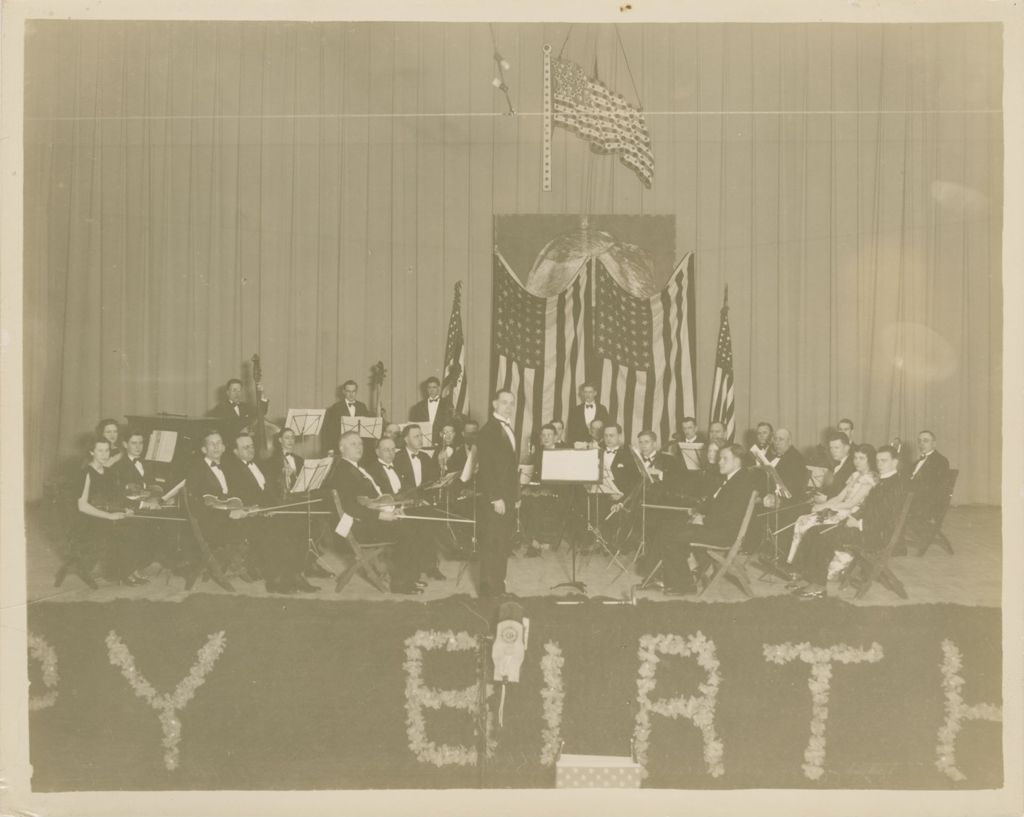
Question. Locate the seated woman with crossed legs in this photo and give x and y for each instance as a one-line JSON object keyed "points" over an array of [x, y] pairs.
{"points": [[834, 511]]}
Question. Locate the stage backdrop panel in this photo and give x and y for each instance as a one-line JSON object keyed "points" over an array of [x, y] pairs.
{"points": [[199, 191]]}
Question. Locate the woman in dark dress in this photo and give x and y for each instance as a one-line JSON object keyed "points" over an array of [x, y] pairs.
{"points": [[102, 509]]}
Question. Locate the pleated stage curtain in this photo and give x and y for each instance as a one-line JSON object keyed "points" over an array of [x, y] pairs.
{"points": [[197, 192]]}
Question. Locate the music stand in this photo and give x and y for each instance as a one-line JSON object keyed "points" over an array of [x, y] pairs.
{"points": [[369, 428], [781, 492], [572, 467], [305, 422], [311, 478]]}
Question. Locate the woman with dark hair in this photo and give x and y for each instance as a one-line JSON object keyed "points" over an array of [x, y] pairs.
{"points": [[836, 510], [102, 506], [110, 430]]}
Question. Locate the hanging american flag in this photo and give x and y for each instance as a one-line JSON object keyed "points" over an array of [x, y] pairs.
{"points": [[722, 394], [639, 352], [586, 107], [453, 382]]}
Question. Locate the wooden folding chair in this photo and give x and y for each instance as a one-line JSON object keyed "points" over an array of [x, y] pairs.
{"points": [[934, 534], [210, 565], [874, 567], [729, 562], [365, 557]]}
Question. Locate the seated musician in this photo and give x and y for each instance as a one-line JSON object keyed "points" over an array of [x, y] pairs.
{"points": [[220, 527], [394, 431], [414, 465], [544, 507], [868, 529], [445, 448], [717, 524], [284, 464], [346, 406], [716, 441], [235, 408], [110, 430], [691, 452], [596, 439], [457, 462], [353, 484], [559, 426], [927, 480], [845, 426], [620, 474], [381, 467], [842, 466], [102, 507], [280, 544], [840, 507], [664, 469], [140, 490], [761, 451], [789, 463]]}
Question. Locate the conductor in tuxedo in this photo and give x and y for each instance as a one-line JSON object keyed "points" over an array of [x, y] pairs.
{"points": [[433, 408], [927, 481], [498, 483], [346, 406], [235, 408], [583, 414], [718, 523]]}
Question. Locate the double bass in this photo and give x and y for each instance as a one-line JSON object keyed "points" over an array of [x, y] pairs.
{"points": [[377, 375], [263, 431]]}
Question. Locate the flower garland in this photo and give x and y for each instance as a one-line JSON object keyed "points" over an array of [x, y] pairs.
{"points": [[39, 649], [697, 708], [553, 696], [819, 682], [167, 704], [957, 711], [418, 696]]}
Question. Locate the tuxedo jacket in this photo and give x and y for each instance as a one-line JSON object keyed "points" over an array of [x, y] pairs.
{"points": [[792, 470], [724, 509], [420, 413], [928, 485], [839, 478], [275, 472], [351, 485], [498, 461], [243, 484], [214, 524], [671, 470], [376, 470], [880, 512], [246, 412], [330, 431], [576, 428], [428, 469], [624, 470], [125, 472], [702, 456], [457, 461]]}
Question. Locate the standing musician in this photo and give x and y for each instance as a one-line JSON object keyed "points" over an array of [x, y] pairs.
{"points": [[346, 406], [498, 482], [433, 408], [234, 408], [280, 552], [102, 507], [582, 416], [355, 487], [717, 524]]}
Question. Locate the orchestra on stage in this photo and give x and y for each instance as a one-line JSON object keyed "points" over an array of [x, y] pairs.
{"points": [[228, 497]]}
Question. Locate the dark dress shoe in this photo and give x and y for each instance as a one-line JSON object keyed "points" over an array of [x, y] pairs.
{"points": [[435, 573], [304, 586]]}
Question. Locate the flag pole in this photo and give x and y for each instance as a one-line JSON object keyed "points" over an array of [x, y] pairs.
{"points": [[547, 119]]}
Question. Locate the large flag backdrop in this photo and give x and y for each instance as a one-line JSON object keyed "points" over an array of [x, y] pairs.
{"points": [[593, 304]]}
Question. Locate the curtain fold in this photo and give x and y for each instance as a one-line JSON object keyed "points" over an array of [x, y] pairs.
{"points": [[196, 192]]}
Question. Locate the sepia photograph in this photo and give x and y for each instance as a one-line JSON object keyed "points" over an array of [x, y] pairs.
{"points": [[403, 403]]}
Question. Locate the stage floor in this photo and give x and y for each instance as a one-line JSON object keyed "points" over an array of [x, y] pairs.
{"points": [[972, 576]]}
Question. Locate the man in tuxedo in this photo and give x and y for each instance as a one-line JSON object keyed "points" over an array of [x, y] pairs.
{"points": [[718, 524], [761, 450], [457, 462], [868, 529], [433, 408], [221, 529], [444, 447], [663, 468], [716, 441], [619, 468], [582, 415], [382, 467], [280, 551], [235, 408], [927, 480], [789, 463], [353, 483], [559, 427], [346, 406], [498, 484], [595, 438], [842, 466], [845, 426], [131, 469], [415, 467], [690, 451]]}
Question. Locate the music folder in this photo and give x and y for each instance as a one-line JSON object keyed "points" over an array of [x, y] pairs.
{"points": [[570, 465]]}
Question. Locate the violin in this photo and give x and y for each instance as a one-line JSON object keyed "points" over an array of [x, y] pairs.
{"points": [[231, 503]]}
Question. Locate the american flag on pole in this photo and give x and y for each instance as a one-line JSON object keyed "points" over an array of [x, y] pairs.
{"points": [[639, 352], [722, 395], [586, 107], [453, 382]]}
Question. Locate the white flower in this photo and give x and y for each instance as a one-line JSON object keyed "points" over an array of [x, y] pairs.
{"points": [[956, 711], [40, 650]]}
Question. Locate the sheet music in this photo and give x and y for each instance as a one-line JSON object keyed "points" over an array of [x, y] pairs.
{"points": [[305, 422], [691, 455], [311, 476], [570, 465], [161, 446]]}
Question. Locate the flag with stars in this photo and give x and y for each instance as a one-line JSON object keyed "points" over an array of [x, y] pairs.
{"points": [[639, 352], [722, 395], [587, 108], [453, 382]]}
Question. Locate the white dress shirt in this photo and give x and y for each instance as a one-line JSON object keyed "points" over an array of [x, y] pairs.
{"points": [[254, 469], [589, 412], [509, 432], [920, 462], [392, 475], [432, 404], [219, 473], [840, 464], [350, 408], [417, 467], [139, 466]]}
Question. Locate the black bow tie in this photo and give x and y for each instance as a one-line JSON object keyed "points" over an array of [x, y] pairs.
{"points": [[388, 466], [648, 460], [590, 405], [349, 404], [434, 399], [215, 465]]}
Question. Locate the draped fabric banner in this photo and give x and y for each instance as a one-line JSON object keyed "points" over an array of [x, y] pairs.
{"points": [[595, 308]]}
